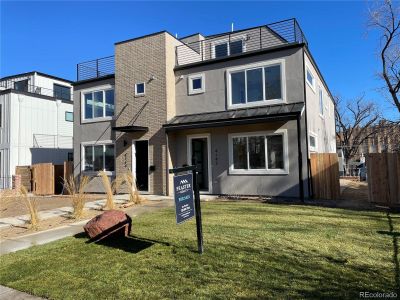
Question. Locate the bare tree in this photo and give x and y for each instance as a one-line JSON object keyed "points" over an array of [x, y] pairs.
{"points": [[385, 17], [356, 121]]}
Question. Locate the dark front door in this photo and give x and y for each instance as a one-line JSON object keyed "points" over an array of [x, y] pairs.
{"points": [[142, 165], [200, 160]]}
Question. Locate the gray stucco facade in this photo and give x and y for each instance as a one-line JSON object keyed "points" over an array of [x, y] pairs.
{"points": [[154, 60], [89, 132]]}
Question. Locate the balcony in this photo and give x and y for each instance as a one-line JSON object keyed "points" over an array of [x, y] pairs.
{"points": [[23, 86], [95, 68], [52, 141], [239, 42]]}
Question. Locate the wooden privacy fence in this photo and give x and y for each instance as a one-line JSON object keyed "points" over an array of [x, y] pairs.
{"points": [[325, 175], [43, 179], [26, 176], [383, 175], [47, 179]]}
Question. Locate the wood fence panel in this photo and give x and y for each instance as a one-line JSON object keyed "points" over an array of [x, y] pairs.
{"points": [[383, 170], [43, 179], [26, 176], [325, 175], [68, 169]]}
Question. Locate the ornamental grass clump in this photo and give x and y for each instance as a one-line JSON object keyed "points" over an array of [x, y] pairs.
{"points": [[108, 187], [77, 192], [134, 196], [32, 206]]}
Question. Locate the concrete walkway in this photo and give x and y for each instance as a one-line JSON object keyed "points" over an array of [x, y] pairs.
{"points": [[65, 211], [7, 293]]}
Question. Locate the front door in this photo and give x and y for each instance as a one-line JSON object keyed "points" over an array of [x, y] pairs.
{"points": [[140, 164], [199, 148]]}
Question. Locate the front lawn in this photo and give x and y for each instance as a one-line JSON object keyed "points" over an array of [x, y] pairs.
{"points": [[252, 250]]}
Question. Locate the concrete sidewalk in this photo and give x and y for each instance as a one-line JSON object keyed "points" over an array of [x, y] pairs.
{"points": [[8, 293], [43, 237]]}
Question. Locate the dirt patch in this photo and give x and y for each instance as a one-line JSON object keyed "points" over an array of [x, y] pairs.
{"points": [[354, 190], [18, 231], [15, 206]]}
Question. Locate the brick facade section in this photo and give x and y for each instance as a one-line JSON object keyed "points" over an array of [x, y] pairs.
{"points": [[137, 61]]}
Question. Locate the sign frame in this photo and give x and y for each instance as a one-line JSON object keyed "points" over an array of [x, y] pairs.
{"points": [[197, 206]]}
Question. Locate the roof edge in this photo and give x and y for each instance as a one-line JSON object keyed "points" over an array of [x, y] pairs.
{"points": [[93, 79], [145, 36], [39, 73]]}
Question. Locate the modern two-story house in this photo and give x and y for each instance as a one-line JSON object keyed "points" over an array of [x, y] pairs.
{"points": [[246, 107], [36, 122]]}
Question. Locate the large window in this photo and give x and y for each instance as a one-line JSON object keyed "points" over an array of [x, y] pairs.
{"points": [[98, 104], [258, 153], [226, 48], [62, 92], [256, 85], [98, 158]]}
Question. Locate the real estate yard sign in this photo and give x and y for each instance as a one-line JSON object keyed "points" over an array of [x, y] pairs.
{"points": [[183, 194]]}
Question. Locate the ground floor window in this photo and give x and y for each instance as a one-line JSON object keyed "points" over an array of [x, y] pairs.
{"points": [[99, 158], [258, 153]]}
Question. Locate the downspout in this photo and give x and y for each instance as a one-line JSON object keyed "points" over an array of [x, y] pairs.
{"points": [[19, 128], [310, 191], [167, 164], [300, 158]]}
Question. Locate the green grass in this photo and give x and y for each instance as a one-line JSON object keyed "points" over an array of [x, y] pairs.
{"points": [[252, 250]]}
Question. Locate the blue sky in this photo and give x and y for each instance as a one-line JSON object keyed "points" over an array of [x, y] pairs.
{"points": [[52, 37]]}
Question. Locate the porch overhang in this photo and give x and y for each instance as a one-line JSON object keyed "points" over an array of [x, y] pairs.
{"points": [[131, 128], [273, 113]]}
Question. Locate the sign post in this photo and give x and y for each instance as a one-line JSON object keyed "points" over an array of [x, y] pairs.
{"points": [[185, 186]]}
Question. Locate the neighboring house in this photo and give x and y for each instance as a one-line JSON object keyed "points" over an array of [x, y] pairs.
{"points": [[382, 137], [36, 122], [385, 138], [246, 107]]}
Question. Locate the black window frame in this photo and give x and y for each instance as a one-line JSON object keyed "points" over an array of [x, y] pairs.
{"points": [[69, 112], [62, 97]]}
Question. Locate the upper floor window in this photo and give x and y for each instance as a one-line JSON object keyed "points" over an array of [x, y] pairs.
{"points": [[226, 48], [69, 116], [321, 102], [21, 85], [62, 92], [255, 85], [98, 104], [196, 84], [140, 89], [310, 79], [1, 115]]}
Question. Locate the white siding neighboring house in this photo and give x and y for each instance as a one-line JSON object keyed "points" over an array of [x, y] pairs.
{"points": [[36, 123]]}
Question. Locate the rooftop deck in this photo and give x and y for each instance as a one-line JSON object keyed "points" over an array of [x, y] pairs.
{"points": [[237, 43], [213, 47]]}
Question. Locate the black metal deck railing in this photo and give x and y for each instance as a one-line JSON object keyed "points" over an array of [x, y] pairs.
{"points": [[95, 68], [20, 85], [241, 41]]}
